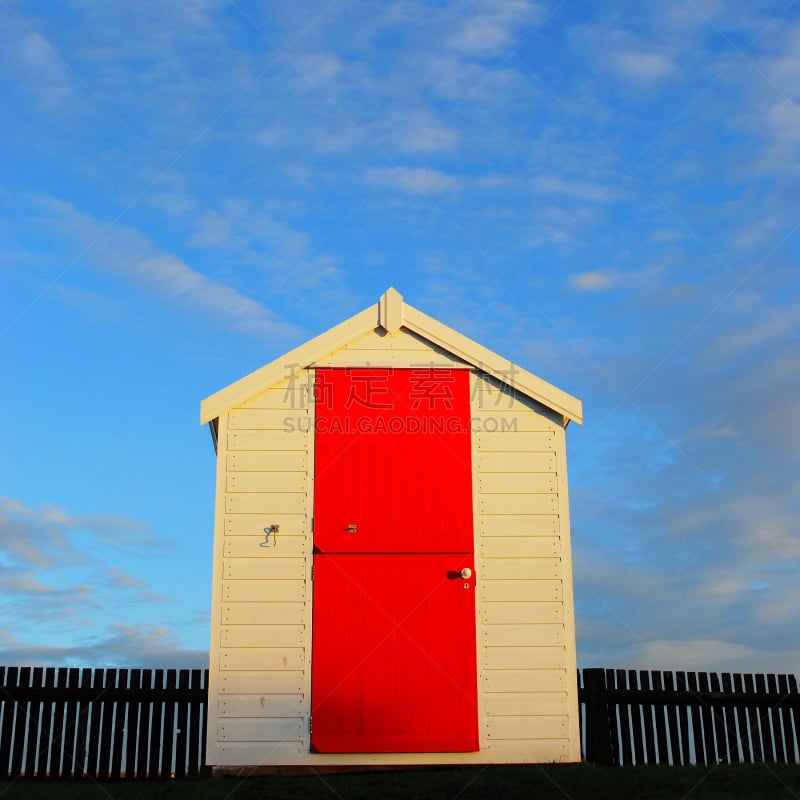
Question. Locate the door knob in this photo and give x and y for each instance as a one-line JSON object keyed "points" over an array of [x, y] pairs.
{"points": [[466, 573]]}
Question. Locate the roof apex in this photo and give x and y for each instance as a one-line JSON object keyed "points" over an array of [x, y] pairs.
{"points": [[392, 314]]}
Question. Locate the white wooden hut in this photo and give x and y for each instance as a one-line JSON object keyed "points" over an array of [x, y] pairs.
{"points": [[392, 568]]}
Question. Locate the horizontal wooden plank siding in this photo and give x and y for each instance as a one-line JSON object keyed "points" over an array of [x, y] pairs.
{"points": [[528, 696], [401, 350], [289, 706], [259, 661]]}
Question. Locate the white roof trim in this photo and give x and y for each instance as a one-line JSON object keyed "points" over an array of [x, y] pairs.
{"points": [[391, 313]]}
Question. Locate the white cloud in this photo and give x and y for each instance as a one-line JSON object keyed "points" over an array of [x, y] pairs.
{"points": [[709, 655], [488, 28], [417, 180], [130, 256], [784, 119], [596, 281], [642, 66], [134, 646]]}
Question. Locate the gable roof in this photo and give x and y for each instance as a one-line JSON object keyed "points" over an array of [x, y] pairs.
{"points": [[392, 314]]}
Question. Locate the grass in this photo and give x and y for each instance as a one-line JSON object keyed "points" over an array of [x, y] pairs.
{"points": [[463, 783]]}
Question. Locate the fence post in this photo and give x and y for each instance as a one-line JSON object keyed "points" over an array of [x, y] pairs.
{"points": [[598, 724]]}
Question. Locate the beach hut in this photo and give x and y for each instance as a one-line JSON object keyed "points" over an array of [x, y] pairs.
{"points": [[392, 579]]}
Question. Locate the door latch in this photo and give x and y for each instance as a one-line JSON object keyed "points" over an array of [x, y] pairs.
{"points": [[351, 528]]}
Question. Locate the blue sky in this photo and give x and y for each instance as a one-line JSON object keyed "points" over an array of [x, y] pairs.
{"points": [[605, 193]]}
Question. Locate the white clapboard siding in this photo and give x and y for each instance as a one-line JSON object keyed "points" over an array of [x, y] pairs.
{"points": [[264, 568], [389, 358], [516, 462], [531, 727], [277, 419], [525, 680], [518, 504], [527, 591], [262, 658], [283, 681], [254, 524], [520, 547], [527, 635], [524, 657], [267, 482], [263, 613], [505, 613], [273, 729], [265, 705], [524, 441], [274, 441], [526, 525], [280, 545], [504, 421], [522, 636], [526, 568], [262, 503], [403, 349], [517, 483], [275, 635], [244, 591], [526, 704], [266, 461], [527, 686]]}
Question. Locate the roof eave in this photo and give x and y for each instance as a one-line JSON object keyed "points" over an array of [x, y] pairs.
{"points": [[391, 313]]}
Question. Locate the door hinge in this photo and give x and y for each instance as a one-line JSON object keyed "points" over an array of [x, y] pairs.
{"points": [[312, 572], [309, 724]]}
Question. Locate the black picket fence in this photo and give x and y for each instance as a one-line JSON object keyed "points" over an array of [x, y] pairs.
{"points": [[631, 717], [141, 724], [102, 723]]}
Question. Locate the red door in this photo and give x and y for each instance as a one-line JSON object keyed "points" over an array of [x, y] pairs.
{"points": [[394, 651]]}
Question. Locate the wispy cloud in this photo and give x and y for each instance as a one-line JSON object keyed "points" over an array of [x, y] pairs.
{"points": [[418, 180], [595, 281], [140, 646], [128, 255]]}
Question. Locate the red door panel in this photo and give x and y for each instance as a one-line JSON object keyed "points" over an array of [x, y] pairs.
{"points": [[393, 640], [394, 654], [393, 461]]}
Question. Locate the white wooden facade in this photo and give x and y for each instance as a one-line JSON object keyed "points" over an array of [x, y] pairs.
{"points": [[260, 676]]}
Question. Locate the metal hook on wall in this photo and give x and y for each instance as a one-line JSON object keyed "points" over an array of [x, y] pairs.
{"points": [[273, 530]]}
